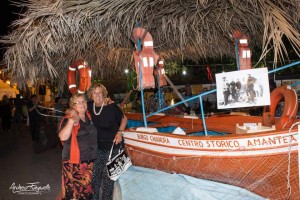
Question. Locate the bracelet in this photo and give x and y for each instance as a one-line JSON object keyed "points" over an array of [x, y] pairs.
{"points": [[120, 130]]}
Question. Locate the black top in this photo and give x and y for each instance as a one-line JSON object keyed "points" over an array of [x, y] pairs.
{"points": [[33, 115], [107, 123], [18, 105], [5, 109], [87, 141]]}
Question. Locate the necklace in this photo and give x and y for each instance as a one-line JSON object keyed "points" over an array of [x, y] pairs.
{"points": [[98, 113]]}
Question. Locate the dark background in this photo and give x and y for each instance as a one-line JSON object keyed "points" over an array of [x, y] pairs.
{"points": [[8, 13]]}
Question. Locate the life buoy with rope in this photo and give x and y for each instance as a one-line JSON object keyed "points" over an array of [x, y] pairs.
{"points": [[290, 108], [144, 58], [85, 76]]}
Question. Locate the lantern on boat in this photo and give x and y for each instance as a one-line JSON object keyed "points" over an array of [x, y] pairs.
{"points": [[244, 51], [161, 73], [144, 58]]}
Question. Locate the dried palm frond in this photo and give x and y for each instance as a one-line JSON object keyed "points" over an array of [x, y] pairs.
{"points": [[276, 25], [53, 33]]}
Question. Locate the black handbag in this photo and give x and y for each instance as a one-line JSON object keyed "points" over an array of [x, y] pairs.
{"points": [[117, 165]]}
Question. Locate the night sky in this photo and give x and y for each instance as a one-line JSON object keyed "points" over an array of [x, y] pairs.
{"points": [[8, 13]]}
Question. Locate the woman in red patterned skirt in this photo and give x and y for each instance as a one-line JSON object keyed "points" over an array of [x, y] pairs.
{"points": [[79, 150]]}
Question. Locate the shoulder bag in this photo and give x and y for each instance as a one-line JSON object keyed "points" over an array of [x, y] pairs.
{"points": [[117, 165]]}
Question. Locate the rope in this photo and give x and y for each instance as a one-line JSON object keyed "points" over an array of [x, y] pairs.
{"points": [[45, 115]]}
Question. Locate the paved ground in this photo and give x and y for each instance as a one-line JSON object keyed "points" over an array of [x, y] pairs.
{"points": [[21, 167]]}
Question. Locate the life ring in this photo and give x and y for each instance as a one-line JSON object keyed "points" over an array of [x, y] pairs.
{"points": [[290, 108], [85, 75]]}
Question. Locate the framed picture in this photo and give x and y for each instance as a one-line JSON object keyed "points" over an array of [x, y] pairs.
{"points": [[244, 88]]}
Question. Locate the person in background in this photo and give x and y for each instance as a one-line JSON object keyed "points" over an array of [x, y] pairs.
{"points": [[232, 91], [79, 150], [110, 122], [58, 107], [138, 102], [5, 113], [58, 110], [34, 118], [18, 116], [250, 88], [226, 92], [238, 85]]}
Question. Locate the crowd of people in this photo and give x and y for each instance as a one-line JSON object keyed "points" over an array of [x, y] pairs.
{"points": [[16, 110], [12, 113]]}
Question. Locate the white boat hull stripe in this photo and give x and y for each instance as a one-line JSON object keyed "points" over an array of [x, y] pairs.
{"points": [[272, 144]]}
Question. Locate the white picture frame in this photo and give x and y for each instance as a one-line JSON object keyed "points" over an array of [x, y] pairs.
{"points": [[244, 88]]}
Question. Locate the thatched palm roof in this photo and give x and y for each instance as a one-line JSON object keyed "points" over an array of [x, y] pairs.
{"points": [[53, 33]]}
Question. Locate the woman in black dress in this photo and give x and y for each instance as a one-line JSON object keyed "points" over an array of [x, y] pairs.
{"points": [[110, 122]]}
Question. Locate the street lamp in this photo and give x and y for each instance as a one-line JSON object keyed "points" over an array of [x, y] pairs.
{"points": [[172, 102]]}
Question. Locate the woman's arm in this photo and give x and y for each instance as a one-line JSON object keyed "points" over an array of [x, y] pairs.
{"points": [[31, 108], [118, 138], [66, 131]]}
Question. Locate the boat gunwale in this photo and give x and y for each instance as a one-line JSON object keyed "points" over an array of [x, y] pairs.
{"points": [[212, 138]]}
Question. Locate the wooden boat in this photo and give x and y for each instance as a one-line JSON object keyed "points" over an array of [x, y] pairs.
{"points": [[238, 150]]}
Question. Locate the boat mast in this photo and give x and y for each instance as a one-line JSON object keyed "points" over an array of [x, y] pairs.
{"points": [[139, 48], [237, 53]]}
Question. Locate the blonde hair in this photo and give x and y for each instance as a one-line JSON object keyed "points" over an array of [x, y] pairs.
{"points": [[94, 86], [74, 97]]}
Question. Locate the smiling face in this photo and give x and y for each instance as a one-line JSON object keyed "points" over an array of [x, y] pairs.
{"points": [[97, 96], [97, 93], [79, 103]]}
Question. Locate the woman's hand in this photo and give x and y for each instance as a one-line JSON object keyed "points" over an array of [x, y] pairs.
{"points": [[74, 116], [75, 119], [108, 101], [118, 138], [70, 111]]}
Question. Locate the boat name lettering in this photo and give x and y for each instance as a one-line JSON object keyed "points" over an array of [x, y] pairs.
{"points": [[221, 143], [193, 143], [142, 137], [159, 139], [260, 141], [276, 140]]}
